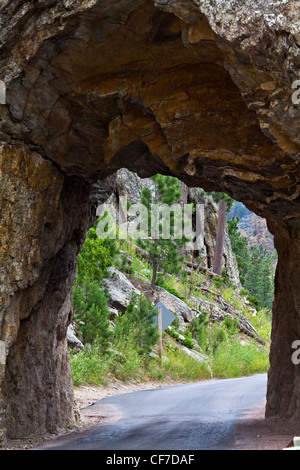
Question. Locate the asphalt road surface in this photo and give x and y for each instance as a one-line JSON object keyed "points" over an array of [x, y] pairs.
{"points": [[198, 416]]}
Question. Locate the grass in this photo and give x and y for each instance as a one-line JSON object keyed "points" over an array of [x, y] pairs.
{"points": [[90, 367], [234, 359], [231, 359], [183, 368]]}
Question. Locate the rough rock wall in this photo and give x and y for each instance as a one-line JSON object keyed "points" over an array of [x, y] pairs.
{"points": [[197, 89], [267, 36], [43, 222], [284, 375]]}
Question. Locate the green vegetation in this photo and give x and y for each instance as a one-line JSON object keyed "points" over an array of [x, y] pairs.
{"points": [[237, 359], [95, 257], [91, 313], [89, 299], [163, 248], [127, 349], [136, 325]]}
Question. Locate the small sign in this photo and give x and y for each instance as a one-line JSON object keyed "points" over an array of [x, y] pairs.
{"points": [[167, 316]]}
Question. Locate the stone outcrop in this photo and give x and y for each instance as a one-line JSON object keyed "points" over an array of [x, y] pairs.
{"points": [[120, 290], [72, 340], [198, 89], [129, 185]]}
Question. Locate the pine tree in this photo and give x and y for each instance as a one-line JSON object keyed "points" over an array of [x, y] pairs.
{"points": [[162, 249], [137, 325], [90, 301], [141, 315], [239, 246], [259, 279], [91, 313], [95, 257]]}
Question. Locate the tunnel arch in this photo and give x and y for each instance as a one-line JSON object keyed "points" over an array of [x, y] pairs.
{"points": [[154, 87]]}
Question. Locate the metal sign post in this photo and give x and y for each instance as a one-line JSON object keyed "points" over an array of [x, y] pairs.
{"points": [[159, 322], [163, 319]]}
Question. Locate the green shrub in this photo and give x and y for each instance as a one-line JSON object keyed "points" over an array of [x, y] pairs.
{"points": [[160, 281], [95, 257], [137, 325], [186, 341], [90, 366], [253, 301], [91, 313], [131, 367]]}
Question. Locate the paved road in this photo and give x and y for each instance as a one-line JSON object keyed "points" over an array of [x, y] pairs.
{"points": [[199, 416]]}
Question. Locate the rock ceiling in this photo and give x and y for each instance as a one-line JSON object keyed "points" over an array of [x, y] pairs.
{"points": [[155, 88]]}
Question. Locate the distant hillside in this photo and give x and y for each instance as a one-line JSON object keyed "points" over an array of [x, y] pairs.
{"points": [[253, 227]]}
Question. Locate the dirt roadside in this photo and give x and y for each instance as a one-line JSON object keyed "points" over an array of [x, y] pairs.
{"points": [[253, 432]]}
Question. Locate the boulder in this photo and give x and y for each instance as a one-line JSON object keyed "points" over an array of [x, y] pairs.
{"points": [[198, 356], [120, 289], [176, 306], [113, 313], [73, 341]]}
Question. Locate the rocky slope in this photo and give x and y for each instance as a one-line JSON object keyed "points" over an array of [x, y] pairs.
{"points": [[129, 185], [121, 286]]}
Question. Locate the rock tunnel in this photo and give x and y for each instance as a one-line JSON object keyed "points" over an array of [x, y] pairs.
{"points": [[196, 89]]}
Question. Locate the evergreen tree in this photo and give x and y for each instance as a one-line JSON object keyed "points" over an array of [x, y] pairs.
{"points": [[96, 256], [91, 313], [137, 324], [217, 197], [141, 315], [260, 276], [256, 267], [239, 246], [163, 249], [90, 301]]}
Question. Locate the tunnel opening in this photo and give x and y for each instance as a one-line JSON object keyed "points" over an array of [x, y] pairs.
{"points": [[208, 308], [107, 87]]}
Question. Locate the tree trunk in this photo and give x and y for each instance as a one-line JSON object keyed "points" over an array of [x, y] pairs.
{"points": [[217, 268], [183, 201], [154, 273]]}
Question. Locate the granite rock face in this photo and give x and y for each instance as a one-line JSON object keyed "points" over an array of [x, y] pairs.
{"points": [[44, 219], [120, 289], [200, 90]]}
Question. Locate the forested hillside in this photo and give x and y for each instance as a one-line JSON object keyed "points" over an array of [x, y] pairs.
{"points": [[221, 328], [253, 227], [255, 252]]}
